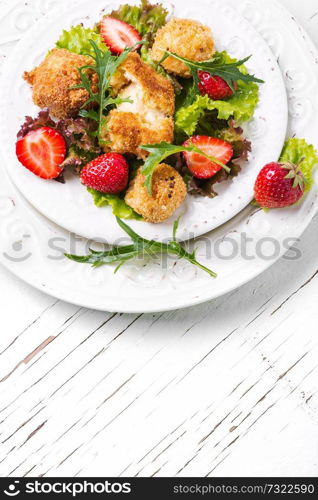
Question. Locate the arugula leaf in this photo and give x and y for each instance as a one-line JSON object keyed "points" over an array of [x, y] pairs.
{"points": [[240, 106], [77, 40], [228, 71], [161, 151], [299, 152], [140, 247], [119, 206], [105, 65]]}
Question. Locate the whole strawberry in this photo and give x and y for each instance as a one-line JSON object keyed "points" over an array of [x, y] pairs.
{"points": [[279, 185], [107, 173], [214, 86]]}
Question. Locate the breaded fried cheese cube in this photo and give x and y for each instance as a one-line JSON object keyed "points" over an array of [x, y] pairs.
{"points": [[155, 91], [168, 192], [126, 132], [148, 119], [186, 38], [52, 79]]}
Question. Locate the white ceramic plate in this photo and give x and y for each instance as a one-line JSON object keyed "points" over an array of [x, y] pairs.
{"points": [[31, 246], [70, 205]]}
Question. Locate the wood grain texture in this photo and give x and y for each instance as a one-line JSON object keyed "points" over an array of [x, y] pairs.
{"points": [[225, 388]]}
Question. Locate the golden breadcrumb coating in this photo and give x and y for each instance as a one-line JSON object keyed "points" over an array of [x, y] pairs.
{"points": [[186, 38], [168, 192], [126, 132], [157, 89], [149, 118], [52, 79]]}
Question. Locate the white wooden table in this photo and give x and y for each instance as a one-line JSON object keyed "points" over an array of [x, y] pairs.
{"points": [[226, 388]]}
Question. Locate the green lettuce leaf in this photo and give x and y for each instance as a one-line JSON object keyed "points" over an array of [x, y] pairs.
{"points": [[119, 206], [77, 40], [299, 152], [187, 118], [241, 106], [145, 18]]}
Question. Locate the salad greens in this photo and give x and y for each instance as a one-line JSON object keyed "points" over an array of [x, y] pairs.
{"points": [[299, 152], [78, 134], [241, 106], [105, 65], [82, 146], [119, 206], [77, 40], [145, 18], [140, 247], [220, 65], [161, 151], [187, 117]]}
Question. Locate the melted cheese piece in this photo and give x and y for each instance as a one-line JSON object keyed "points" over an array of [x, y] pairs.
{"points": [[148, 115]]}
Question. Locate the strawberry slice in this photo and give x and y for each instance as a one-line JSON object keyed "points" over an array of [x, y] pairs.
{"points": [[202, 167], [42, 151], [118, 35]]}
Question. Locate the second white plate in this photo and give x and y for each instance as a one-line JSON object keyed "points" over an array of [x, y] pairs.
{"points": [[70, 205]]}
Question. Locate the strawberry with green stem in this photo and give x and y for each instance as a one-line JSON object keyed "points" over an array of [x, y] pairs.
{"points": [[279, 185], [283, 183]]}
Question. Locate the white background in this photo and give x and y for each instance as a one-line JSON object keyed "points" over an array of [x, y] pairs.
{"points": [[226, 388]]}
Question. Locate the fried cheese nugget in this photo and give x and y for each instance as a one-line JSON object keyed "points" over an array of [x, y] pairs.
{"points": [[52, 79], [149, 118], [126, 131], [168, 192], [186, 38]]}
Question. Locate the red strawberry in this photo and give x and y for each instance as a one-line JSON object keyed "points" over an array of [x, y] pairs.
{"points": [[118, 35], [202, 167], [279, 185], [42, 151], [214, 86], [107, 173]]}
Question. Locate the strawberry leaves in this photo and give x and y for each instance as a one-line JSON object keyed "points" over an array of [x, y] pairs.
{"points": [[140, 248], [295, 173]]}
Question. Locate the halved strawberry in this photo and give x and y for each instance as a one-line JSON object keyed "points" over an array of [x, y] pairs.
{"points": [[118, 35], [202, 167], [42, 151]]}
